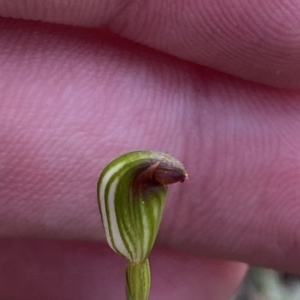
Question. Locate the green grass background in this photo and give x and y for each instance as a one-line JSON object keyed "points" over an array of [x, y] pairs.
{"points": [[265, 284]]}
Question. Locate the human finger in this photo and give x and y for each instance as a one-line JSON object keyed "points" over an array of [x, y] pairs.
{"points": [[254, 40], [49, 270], [70, 102]]}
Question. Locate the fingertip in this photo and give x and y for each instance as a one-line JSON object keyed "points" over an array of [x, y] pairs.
{"points": [[259, 43]]}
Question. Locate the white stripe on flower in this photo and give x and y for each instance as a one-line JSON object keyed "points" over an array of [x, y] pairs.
{"points": [[108, 213]]}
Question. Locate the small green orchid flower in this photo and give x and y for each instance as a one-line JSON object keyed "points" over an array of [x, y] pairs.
{"points": [[131, 194]]}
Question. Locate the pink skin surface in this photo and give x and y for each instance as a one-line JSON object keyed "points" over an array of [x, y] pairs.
{"points": [[73, 98]]}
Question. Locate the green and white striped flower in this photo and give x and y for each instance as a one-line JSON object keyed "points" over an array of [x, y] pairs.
{"points": [[131, 191]]}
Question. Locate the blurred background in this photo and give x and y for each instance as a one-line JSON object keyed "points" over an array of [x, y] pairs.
{"points": [[266, 284]]}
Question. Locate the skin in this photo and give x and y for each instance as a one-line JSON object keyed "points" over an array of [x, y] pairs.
{"points": [[73, 98]]}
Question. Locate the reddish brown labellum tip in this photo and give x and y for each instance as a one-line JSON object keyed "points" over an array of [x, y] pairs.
{"points": [[165, 174]]}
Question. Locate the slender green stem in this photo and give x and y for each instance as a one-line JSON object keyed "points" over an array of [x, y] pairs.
{"points": [[138, 280]]}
